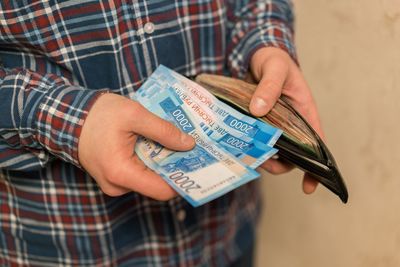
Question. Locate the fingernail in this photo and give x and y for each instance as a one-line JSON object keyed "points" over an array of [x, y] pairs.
{"points": [[259, 106], [276, 156]]}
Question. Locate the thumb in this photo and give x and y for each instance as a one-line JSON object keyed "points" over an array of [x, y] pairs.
{"points": [[269, 88], [161, 131]]}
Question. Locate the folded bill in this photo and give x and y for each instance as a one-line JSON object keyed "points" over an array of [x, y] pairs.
{"points": [[200, 175]]}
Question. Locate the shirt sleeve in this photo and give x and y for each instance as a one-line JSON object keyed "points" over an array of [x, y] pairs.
{"points": [[253, 24], [41, 117]]}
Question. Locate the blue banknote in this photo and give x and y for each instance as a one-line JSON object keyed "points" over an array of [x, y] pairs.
{"points": [[228, 118], [200, 175], [241, 144]]}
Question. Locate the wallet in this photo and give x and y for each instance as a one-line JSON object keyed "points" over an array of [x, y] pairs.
{"points": [[299, 144]]}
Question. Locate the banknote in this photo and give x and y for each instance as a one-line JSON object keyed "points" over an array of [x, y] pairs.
{"points": [[228, 118], [241, 144], [249, 151], [201, 174]]}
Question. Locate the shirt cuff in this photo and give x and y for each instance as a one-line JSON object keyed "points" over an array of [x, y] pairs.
{"points": [[274, 34], [59, 118]]}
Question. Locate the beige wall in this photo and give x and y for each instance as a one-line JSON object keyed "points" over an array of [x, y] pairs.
{"points": [[350, 54]]}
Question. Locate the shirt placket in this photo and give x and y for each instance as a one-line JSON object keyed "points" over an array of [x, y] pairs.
{"points": [[145, 27]]}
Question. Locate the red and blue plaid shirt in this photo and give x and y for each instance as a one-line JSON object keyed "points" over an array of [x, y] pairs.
{"points": [[57, 57]]}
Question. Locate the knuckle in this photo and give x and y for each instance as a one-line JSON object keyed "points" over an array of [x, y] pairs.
{"points": [[268, 90], [136, 110], [275, 169], [112, 191], [164, 193], [169, 130], [280, 61], [165, 196], [114, 175], [271, 85]]}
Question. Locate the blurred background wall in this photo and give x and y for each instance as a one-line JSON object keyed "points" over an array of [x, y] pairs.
{"points": [[350, 54]]}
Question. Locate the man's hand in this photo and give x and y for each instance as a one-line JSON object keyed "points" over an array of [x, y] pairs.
{"points": [[277, 74], [107, 141]]}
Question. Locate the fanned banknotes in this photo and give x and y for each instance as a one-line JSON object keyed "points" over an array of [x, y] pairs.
{"points": [[200, 175], [299, 143], [229, 144], [248, 139]]}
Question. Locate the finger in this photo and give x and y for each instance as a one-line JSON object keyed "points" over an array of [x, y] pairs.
{"points": [[269, 88], [161, 131], [309, 184], [111, 189], [137, 177], [276, 166]]}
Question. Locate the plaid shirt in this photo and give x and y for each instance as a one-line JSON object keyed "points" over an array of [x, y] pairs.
{"points": [[57, 57]]}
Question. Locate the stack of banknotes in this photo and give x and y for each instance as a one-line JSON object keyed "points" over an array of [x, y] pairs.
{"points": [[229, 144]]}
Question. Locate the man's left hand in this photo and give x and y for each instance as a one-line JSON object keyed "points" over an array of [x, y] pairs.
{"points": [[277, 74]]}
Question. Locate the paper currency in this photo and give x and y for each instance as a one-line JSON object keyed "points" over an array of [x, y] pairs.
{"points": [[199, 175], [230, 118], [247, 139]]}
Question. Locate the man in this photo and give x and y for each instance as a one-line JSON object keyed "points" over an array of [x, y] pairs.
{"points": [[72, 193]]}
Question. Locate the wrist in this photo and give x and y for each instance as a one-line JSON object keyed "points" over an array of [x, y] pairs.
{"points": [[59, 119]]}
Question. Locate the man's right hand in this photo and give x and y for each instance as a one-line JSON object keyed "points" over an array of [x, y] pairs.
{"points": [[107, 141]]}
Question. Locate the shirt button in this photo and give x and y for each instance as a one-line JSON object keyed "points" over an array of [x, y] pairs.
{"points": [[149, 27], [181, 215]]}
